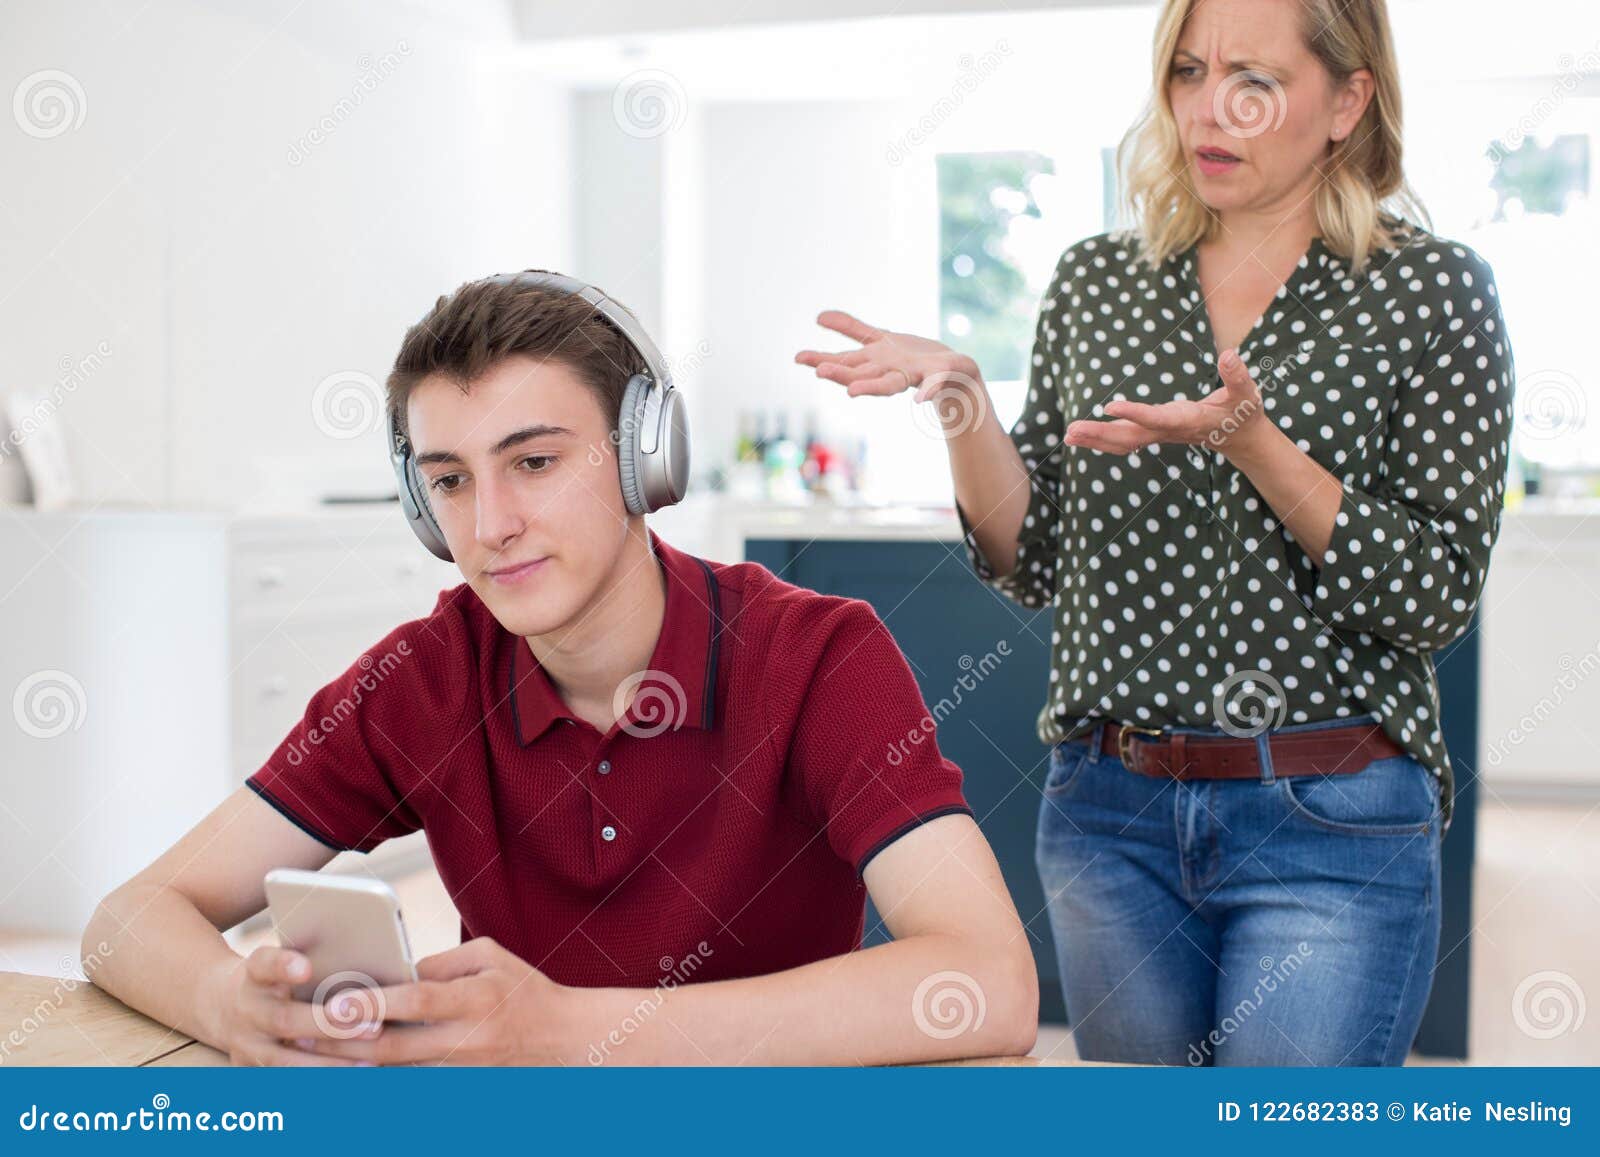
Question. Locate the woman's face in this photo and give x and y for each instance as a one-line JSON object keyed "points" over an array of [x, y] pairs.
{"points": [[1256, 111]]}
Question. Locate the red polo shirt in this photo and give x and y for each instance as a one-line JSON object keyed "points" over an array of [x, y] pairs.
{"points": [[777, 742]]}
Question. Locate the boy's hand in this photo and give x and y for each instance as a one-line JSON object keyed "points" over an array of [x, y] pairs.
{"points": [[253, 1018], [482, 1005]]}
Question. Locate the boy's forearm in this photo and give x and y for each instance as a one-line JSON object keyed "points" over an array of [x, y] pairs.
{"points": [[927, 997], [152, 949]]}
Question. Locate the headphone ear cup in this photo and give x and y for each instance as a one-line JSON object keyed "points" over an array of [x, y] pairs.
{"points": [[629, 422], [426, 525]]}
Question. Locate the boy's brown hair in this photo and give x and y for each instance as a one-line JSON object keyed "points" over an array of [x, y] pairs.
{"points": [[485, 321]]}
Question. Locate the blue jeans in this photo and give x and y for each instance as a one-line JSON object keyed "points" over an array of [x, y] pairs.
{"points": [[1288, 921]]}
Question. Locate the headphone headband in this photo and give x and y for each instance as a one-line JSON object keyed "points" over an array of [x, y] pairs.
{"points": [[652, 428]]}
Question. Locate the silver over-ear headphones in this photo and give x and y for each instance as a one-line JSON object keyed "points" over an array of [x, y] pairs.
{"points": [[652, 429]]}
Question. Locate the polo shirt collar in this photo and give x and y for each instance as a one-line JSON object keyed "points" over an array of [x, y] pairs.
{"points": [[681, 687]]}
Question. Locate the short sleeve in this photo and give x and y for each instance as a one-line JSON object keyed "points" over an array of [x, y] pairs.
{"points": [[1037, 437], [863, 750], [349, 770], [1409, 554]]}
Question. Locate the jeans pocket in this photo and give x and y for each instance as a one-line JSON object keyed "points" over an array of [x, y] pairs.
{"points": [[1067, 761], [1394, 796]]}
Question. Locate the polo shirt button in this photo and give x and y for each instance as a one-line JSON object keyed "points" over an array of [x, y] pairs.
{"points": [[608, 833], [605, 766]]}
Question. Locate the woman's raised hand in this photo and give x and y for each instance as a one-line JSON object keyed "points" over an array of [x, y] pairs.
{"points": [[887, 362]]}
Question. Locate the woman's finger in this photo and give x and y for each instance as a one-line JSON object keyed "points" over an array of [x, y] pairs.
{"points": [[849, 375], [1235, 376], [841, 322], [1164, 418], [1118, 437], [887, 382], [822, 357]]}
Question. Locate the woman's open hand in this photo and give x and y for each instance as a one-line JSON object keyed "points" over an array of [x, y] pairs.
{"points": [[888, 362], [1222, 418]]}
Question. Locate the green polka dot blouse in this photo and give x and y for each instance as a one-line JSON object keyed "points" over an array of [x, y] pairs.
{"points": [[1180, 598]]}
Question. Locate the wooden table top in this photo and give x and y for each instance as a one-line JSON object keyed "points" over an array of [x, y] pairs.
{"points": [[46, 1020]]}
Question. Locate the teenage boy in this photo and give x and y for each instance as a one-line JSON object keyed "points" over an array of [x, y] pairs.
{"points": [[657, 789]]}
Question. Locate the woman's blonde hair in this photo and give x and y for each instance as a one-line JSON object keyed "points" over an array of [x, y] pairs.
{"points": [[1363, 201]]}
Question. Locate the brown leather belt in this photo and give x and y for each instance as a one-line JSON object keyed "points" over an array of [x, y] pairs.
{"points": [[1164, 755]]}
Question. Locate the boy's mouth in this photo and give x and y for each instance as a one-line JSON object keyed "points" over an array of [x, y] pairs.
{"points": [[516, 572]]}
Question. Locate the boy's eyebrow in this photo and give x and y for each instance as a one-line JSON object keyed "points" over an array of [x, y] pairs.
{"points": [[515, 438]]}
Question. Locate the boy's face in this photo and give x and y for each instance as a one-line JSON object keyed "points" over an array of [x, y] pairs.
{"points": [[521, 473]]}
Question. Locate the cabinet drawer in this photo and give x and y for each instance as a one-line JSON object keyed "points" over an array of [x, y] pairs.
{"points": [[276, 671], [269, 576]]}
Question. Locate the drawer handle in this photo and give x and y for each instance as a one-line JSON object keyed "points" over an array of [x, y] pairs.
{"points": [[271, 576], [275, 686]]}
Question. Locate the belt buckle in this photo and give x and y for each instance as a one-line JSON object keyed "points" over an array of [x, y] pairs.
{"points": [[1123, 749]]}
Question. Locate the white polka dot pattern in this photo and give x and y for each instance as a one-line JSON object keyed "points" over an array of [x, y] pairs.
{"points": [[1172, 577]]}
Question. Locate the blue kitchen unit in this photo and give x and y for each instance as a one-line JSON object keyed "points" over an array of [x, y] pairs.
{"points": [[952, 627]]}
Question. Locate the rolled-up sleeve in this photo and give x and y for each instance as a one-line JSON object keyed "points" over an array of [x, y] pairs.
{"points": [[1037, 437], [1408, 557]]}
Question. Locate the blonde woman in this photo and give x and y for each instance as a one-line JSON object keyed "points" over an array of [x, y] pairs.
{"points": [[1258, 475]]}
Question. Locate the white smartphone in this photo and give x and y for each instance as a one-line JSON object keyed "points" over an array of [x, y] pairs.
{"points": [[349, 927]]}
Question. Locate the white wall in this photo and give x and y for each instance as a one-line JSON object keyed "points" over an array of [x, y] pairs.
{"points": [[230, 260]]}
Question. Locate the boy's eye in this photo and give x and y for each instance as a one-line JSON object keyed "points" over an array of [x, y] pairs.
{"points": [[541, 462], [445, 483]]}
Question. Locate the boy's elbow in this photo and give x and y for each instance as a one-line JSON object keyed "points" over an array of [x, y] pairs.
{"points": [[1022, 1021], [1013, 1003]]}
